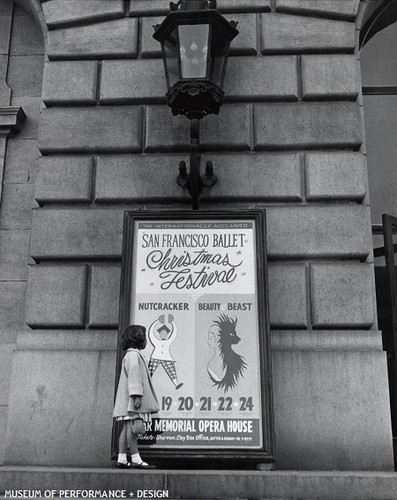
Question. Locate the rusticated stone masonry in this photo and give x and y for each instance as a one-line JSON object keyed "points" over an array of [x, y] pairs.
{"points": [[292, 86]]}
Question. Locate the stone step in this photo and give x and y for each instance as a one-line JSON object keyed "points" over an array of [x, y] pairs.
{"points": [[65, 483]]}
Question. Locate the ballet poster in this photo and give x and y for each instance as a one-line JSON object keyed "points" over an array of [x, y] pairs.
{"points": [[196, 285]]}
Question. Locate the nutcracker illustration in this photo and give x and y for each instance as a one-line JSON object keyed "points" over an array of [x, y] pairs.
{"points": [[161, 335]]}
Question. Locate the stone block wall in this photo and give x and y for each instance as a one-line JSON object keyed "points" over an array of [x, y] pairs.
{"points": [[289, 138], [21, 72]]}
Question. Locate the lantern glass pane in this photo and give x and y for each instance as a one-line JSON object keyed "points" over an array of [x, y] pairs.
{"points": [[171, 52], [218, 56], [193, 46]]}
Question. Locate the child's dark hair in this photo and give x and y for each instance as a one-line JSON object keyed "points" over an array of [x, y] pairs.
{"points": [[133, 336]]}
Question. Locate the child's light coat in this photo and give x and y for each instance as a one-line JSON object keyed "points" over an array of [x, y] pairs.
{"points": [[134, 381]]}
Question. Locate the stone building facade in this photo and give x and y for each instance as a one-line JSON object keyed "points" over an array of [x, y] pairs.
{"points": [[99, 139]]}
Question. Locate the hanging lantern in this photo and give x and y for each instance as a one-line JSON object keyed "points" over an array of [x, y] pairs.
{"points": [[195, 40]]}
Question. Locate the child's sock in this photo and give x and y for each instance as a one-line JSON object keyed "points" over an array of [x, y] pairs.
{"points": [[122, 458], [136, 458]]}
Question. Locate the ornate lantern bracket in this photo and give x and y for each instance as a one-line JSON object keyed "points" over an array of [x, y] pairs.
{"points": [[193, 181]]}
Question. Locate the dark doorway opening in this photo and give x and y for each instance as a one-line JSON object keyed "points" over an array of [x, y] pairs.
{"points": [[386, 297]]}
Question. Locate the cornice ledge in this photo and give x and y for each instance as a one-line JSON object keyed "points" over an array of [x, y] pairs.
{"points": [[11, 120]]}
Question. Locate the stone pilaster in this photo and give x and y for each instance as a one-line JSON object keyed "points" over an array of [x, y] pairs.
{"points": [[21, 67]]}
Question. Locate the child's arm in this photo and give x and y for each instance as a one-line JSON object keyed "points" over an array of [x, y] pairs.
{"points": [[134, 374]]}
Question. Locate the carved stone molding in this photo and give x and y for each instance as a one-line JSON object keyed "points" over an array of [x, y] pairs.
{"points": [[11, 120]]}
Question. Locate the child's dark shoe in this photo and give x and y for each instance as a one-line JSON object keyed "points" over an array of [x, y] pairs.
{"points": [[142, 465], [123, 465]]}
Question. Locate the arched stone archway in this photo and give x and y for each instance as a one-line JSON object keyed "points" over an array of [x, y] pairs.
{"points": [[34, 7], [379, 81], [378, 15]]}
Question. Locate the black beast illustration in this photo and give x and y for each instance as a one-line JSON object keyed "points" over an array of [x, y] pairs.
{"points": [[233, 364]]}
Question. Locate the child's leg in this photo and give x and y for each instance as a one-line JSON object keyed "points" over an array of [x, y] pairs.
{"points": [[122, 456], [136, 459], [123, 438], [131, 439]]}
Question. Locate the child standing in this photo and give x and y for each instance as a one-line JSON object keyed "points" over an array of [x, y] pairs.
{"points": [[135, 397]]}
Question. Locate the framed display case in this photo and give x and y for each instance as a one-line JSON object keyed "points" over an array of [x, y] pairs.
{"points": [[197, 282]]}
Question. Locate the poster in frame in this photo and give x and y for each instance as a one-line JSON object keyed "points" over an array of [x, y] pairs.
{"points": [[197, 282]]}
